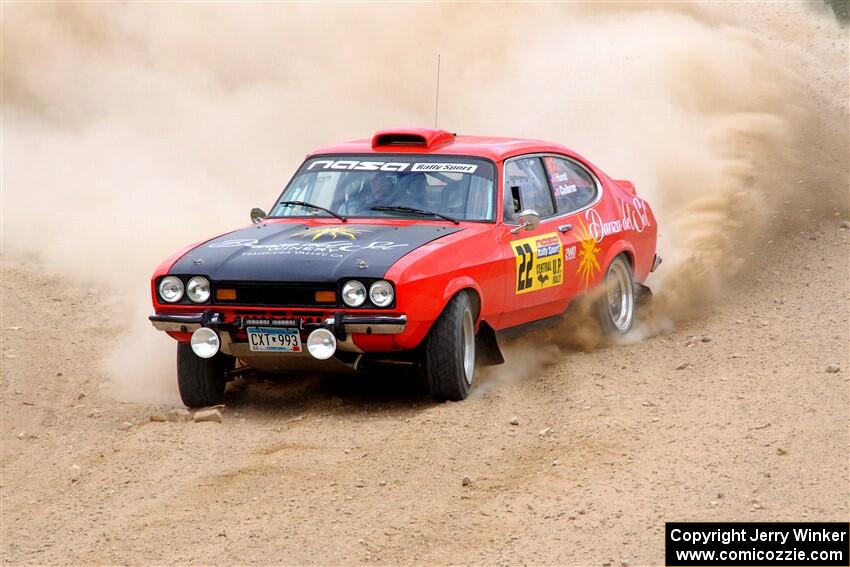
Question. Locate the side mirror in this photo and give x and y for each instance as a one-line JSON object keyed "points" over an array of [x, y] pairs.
{"points": [[529, 219], [258, 215]]}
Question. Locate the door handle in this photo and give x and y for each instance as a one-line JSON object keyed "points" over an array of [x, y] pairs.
{"points": [[565, 228]]}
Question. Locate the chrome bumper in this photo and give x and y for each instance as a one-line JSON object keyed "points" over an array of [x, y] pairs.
{"points": [[355, 324], [370, 325], [177, 323]]}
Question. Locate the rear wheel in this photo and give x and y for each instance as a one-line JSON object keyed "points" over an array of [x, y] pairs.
{"points": [[617, 306], [201, 380], [450, 351]]}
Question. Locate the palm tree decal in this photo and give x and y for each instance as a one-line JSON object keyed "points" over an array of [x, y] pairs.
{"points": [[332, 231], [589, 263]]}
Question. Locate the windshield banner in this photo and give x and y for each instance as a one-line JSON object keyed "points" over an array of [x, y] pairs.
{"points": [[356, 165]]}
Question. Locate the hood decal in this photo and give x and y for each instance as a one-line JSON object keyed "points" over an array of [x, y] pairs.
{"points": [[301, 253]]}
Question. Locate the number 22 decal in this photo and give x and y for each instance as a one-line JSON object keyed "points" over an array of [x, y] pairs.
{"points": [[539, 262], [526, 264]]}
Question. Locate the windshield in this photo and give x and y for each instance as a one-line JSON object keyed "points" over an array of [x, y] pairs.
{"points": [[352, 186]]}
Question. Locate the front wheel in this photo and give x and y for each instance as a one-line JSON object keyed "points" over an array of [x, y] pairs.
{"points": [[450, 351], [201, 380], [617, 305]]}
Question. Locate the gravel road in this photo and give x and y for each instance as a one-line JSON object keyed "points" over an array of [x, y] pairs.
{"points": [[729, 417]]}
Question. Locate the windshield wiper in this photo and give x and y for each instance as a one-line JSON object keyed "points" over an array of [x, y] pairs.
{"points": [[416, 212], [312, 206]]}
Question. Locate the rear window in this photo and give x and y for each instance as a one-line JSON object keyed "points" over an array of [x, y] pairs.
{"points": [[572, 186]]}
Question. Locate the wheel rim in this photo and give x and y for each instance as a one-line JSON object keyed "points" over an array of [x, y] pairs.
{"points": [[468, 346], [620, 296]]}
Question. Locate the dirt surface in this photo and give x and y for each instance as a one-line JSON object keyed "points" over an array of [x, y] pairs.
{"points": [[609, 444]]}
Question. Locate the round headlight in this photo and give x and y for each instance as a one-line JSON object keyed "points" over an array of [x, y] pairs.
{"points": [[381, 293], [205, 342], [171, 289], [353, 293], [321, 344], [198, 289]]}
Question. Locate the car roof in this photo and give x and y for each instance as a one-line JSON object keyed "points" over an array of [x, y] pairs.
{"points": [[441, 142]]}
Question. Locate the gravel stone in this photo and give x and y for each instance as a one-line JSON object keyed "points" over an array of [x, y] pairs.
{"points": [[179, 414], [208, 415]]}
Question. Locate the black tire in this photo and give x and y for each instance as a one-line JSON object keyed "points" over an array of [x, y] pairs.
{"points": [[448, 350], [201, 380], [617, 305]]}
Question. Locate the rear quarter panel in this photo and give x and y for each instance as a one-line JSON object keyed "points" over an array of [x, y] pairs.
{"points": [[627, 226]]}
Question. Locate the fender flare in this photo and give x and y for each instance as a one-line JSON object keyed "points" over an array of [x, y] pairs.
{"points": [[620, 247], [486, 342], [459, 284]]}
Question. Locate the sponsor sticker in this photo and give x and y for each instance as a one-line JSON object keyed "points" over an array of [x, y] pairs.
{"points": [[634, 217], [570, 253], [539, 262], [445, 167], [247, 321], [317, 232], [331, 249], [593, 230], [356, 165], [561, 190], [588, 266]]}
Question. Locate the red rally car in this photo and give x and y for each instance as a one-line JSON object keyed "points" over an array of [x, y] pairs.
{"points": [[417, 247]]}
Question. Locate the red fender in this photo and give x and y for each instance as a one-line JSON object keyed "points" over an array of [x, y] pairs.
{"points": [[422, 317], [618, 248], [459, 284]]}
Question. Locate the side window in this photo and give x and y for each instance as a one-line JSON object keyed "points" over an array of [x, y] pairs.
{"points": [[572, 186], [526, 188]]}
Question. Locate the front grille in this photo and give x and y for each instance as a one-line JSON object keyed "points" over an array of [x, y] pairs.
{"points": [[275, 294]]}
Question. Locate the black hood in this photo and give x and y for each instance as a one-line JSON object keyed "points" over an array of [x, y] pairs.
{"points": [[290, 252]]}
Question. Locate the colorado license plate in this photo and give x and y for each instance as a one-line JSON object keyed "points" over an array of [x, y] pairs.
{"points": [[274, 339]]}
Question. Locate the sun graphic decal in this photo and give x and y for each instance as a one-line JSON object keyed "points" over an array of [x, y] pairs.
{"points": [[589, 263], [332, 231]]}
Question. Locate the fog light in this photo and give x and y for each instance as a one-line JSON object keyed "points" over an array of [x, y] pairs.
{"points": [[321, 344], [205, 342]]}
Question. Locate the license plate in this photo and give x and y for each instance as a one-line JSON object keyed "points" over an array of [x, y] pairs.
{"points": [[274, 339]]}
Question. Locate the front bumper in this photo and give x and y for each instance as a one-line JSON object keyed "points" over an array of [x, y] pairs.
{"points": [[179, 323], [341, 324]]}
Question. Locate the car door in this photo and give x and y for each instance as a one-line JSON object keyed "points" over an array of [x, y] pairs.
{"points": [[533, 258], [576, 191]]}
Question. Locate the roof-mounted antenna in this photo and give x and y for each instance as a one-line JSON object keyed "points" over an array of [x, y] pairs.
{"points": [[437, 102]]}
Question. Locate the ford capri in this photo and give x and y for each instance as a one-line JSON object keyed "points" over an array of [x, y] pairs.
{"points": [[416, 247]]}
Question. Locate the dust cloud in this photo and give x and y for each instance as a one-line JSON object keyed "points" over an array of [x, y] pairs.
{"points": [[130, 130]]}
